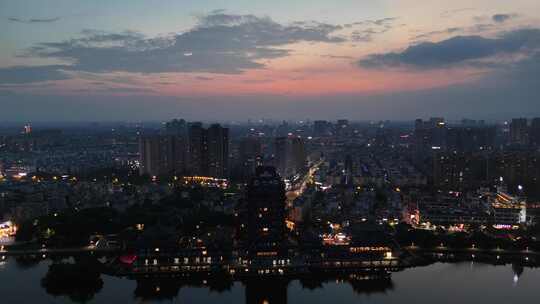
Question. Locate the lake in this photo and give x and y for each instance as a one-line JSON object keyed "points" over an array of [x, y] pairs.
{"points": [[437, 283]]}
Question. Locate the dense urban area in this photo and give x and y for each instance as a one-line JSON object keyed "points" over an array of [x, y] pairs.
{"points": [[220, 202]]}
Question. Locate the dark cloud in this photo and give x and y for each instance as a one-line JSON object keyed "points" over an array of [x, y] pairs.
{"points": [[500, 18], [378, 22], [116, 90], [366, 35], [481, 27], [26, 85], [510, 92], [204, 78], [336, 56], [448, 31], [457, 50], [29, 74], [34, 20], [219, 43], [513, 92], [369, 28], [119, 78]]}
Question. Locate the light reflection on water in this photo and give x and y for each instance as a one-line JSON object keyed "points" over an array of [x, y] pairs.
{"points": [[21, 282]]}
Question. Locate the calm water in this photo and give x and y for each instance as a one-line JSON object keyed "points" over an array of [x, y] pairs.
{"points": [[437, 283]]}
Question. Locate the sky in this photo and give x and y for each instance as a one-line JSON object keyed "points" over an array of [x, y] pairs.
{"points": [[137, 60]]}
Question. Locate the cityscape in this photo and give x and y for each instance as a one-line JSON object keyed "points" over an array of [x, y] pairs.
{"points": [[175, 203], [269, 152]]}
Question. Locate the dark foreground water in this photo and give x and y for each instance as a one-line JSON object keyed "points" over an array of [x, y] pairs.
{"points": [[437, 283]]}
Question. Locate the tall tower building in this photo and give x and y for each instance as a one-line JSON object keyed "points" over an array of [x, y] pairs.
{"points": [[249, 156], [162, 155], [535, 132], [321, 128], [519, 131], [176, 127], [266, 211], [197, 148], [208, 150], [342, 127], [217, 150], [290, 155]]}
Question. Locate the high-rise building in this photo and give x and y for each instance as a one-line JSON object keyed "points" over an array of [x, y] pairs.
{"points": [[266, 212], [434, 121], [342, 127], [162, 155], [208, 150], [217, 141], [438, 127], [469, 139], [176, 127], [343, 123], [321, 128], [348, 170], [521, 168], [519, 131], [197, 148], [535, 132], [459, 171], [290, 155], [249, 156], [422, 137]]}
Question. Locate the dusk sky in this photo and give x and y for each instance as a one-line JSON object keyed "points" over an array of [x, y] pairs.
{"points": [[68, 60]]}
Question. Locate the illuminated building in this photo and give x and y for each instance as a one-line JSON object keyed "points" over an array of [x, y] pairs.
{"points": [[429, 136], [7, 229], [508, 209], [458, 171], [27, 129], [205, 152], [266, 212]]}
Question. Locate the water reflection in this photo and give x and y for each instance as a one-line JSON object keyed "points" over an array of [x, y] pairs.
{"points": [[161, 289], [79, 281], [518, 271], [257, 290], [266, 291], [27, 262]]}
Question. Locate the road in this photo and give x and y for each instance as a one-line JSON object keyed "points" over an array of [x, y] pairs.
{"points": [[299, 187]]}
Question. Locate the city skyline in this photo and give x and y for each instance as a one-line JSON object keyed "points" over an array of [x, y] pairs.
{"points": [[269, 152], [230, 60], [172, 210]]}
